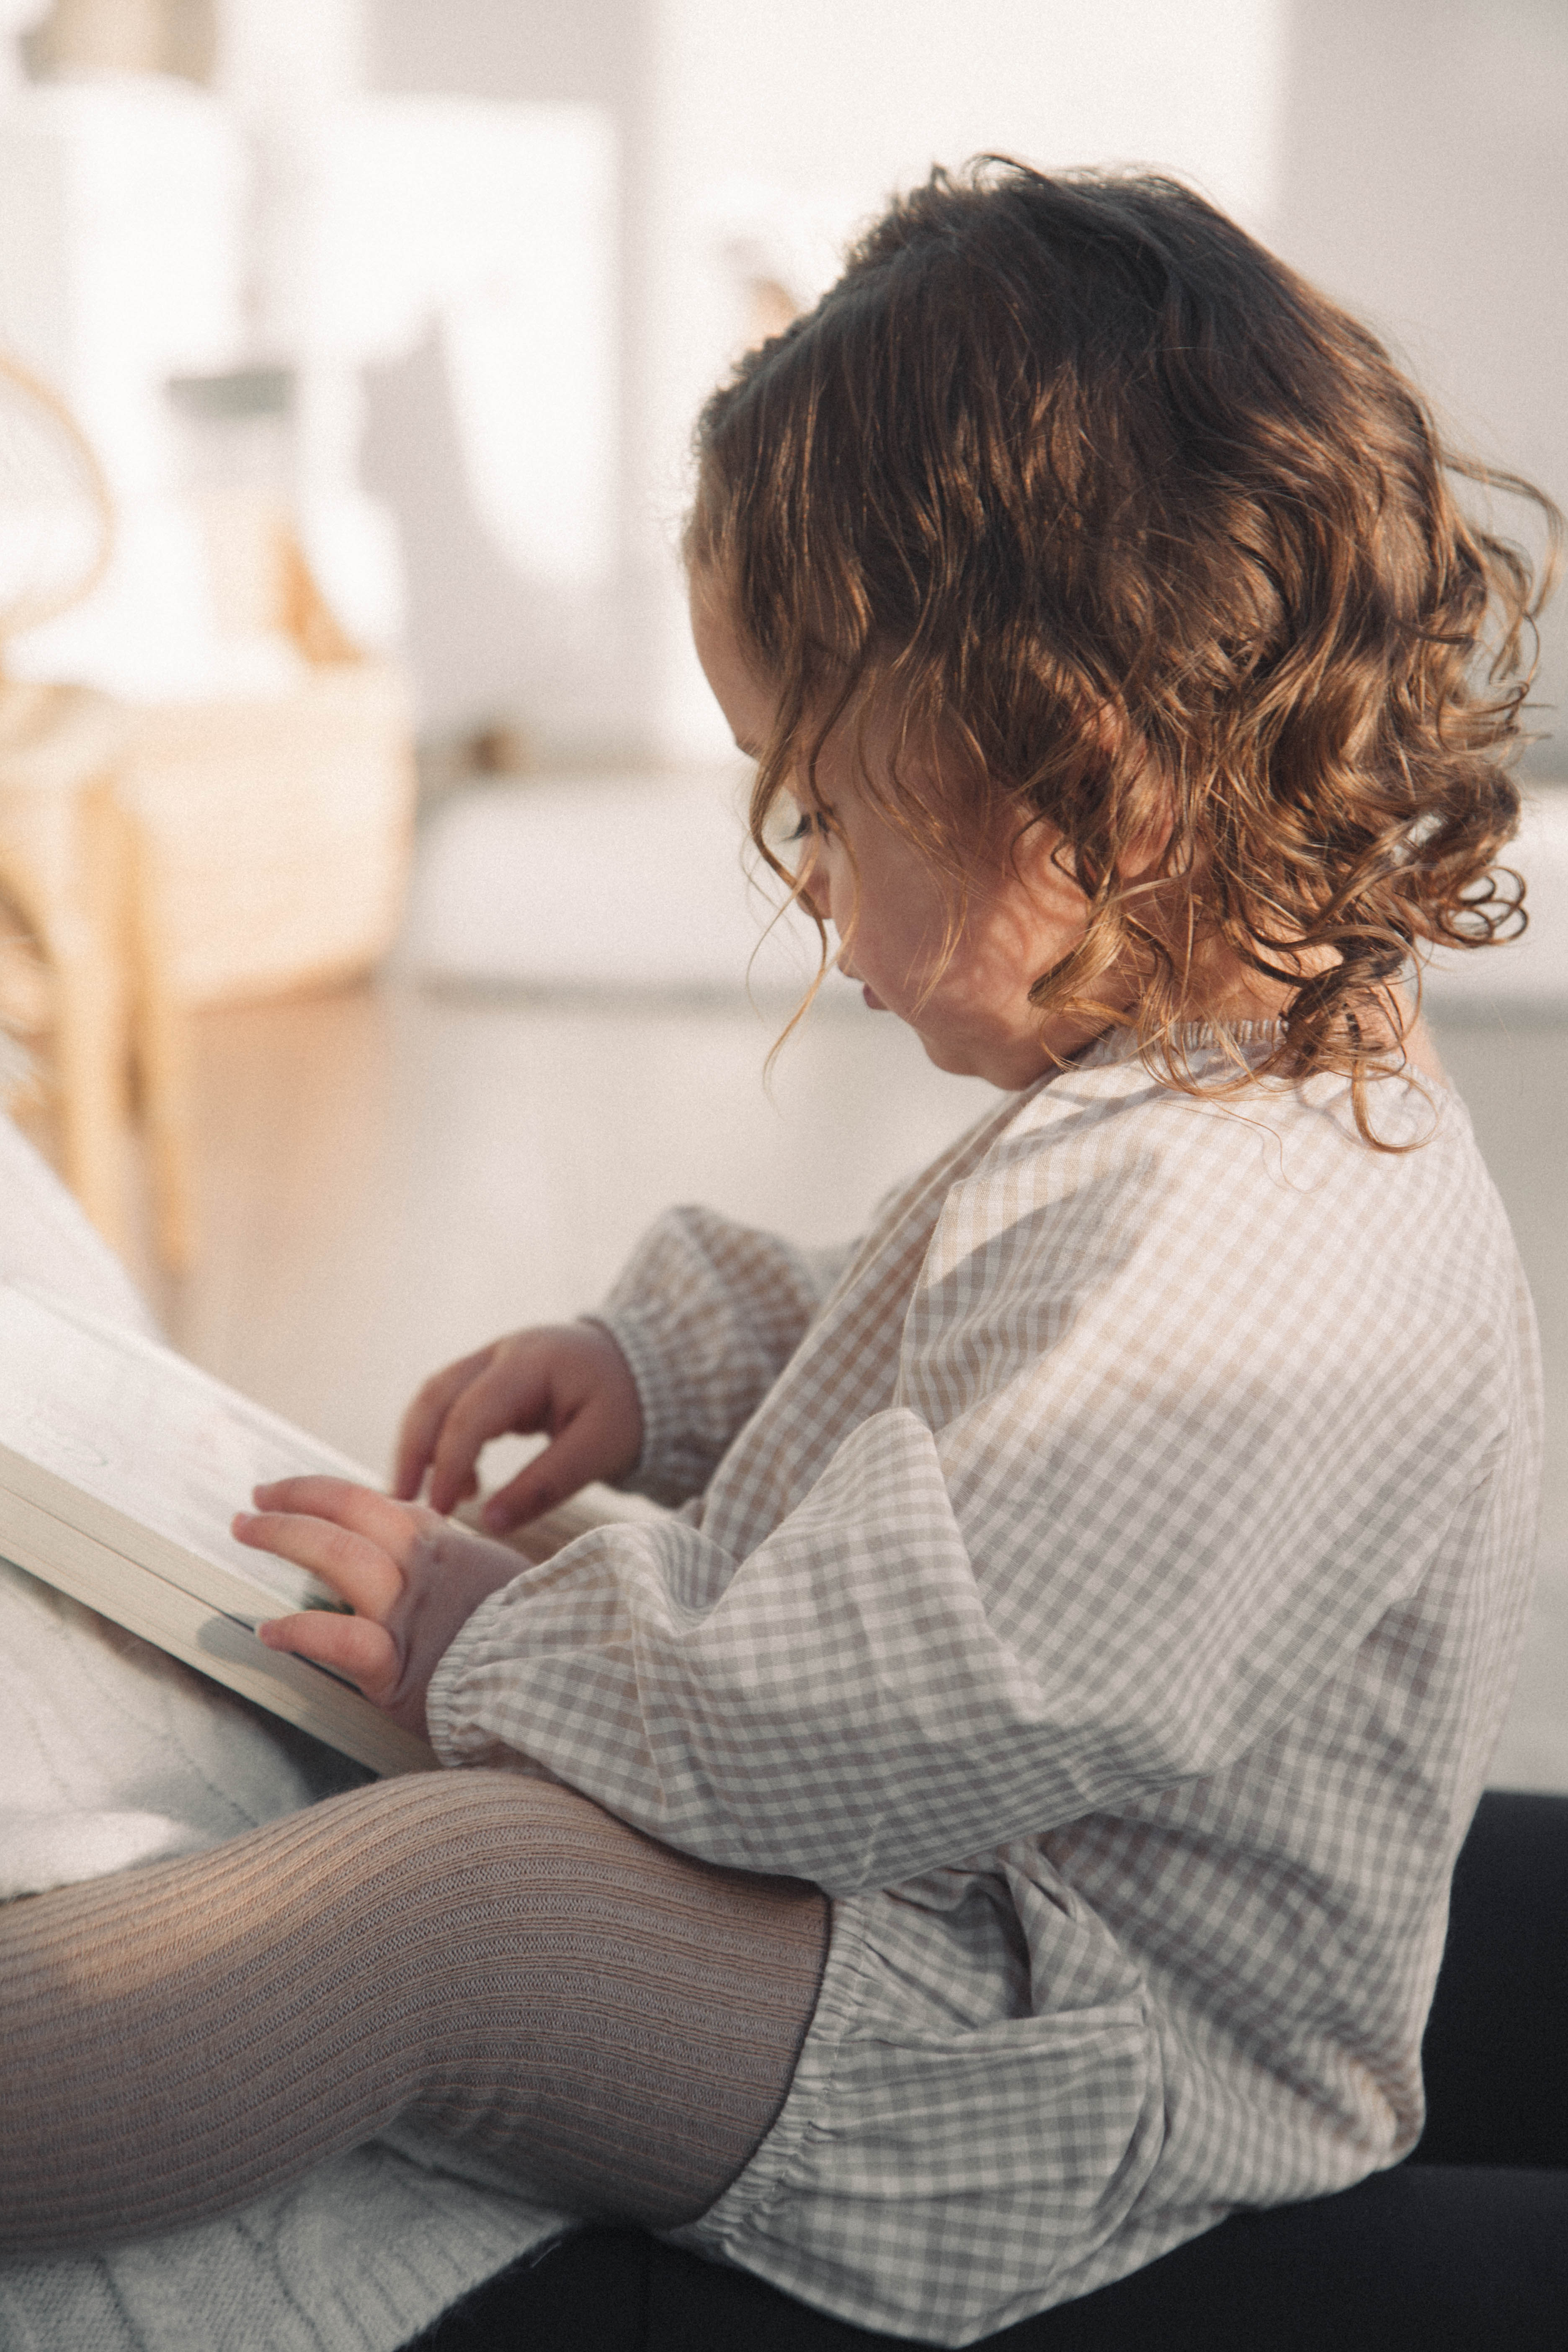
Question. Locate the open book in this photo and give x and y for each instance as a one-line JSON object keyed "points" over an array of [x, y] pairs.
{"points": [[121, 1467]]}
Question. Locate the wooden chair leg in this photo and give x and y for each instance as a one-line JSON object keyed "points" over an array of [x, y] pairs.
{"points": [[90, 1056], [162, 1043], [164, 1047], [79, 923]]}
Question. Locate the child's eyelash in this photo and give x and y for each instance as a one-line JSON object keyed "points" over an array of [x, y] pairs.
{"points": [[811, 822]]}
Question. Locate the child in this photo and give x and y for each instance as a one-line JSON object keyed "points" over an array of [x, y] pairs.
{"points": [[1002, 1822]]}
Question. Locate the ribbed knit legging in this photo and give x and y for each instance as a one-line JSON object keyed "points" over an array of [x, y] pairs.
{"points": [[488, 1957]]}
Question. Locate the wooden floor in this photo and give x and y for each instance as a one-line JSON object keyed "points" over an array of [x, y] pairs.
{"points": [[389, 1176]]}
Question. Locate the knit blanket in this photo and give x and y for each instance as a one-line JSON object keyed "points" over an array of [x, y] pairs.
{"points": [[116, 1755]]}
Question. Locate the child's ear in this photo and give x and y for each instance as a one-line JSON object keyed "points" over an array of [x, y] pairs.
{"points": [[1043, 862], [1139, 861], [1141, 785]]}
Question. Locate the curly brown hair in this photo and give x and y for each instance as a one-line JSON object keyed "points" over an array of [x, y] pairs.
{"points": [[1141, 531]]}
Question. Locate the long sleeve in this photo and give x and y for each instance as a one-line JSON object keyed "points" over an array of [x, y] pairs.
{"points": [[706, 1314], [1105, 1457]]}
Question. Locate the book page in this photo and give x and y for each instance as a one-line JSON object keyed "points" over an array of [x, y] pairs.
{"points": [[138, 1428]]}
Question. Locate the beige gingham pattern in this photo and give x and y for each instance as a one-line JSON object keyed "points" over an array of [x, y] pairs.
{"points": [[1110, 1592]]}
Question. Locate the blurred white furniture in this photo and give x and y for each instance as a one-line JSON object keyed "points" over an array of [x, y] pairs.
{"points": [[160, 242], [625, 883]]}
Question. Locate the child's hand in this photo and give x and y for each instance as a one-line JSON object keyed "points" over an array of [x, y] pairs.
{"points": [[569, 1379], [412, 1577]]}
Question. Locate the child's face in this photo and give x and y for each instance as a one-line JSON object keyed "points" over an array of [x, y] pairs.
{"points": [[972, 1012]]}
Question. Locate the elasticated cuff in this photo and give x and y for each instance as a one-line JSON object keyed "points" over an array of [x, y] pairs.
{"points": [[634, 1335]]}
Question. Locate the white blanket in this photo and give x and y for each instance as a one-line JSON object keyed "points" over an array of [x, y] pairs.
{"points": [[114, 1755]]}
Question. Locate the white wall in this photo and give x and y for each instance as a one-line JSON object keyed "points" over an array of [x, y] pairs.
{"points": [[1424, 181]]}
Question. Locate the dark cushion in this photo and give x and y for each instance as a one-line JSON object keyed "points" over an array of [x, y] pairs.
{"points": [[1465, 2249], [1429, 2258]]}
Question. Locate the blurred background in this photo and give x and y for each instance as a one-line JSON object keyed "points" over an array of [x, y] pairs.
{"points": [[376, 954]]}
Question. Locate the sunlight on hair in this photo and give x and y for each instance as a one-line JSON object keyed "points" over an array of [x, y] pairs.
{"points": [[1025, 470]]}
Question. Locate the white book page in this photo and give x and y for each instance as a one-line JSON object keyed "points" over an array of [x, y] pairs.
{"points": [[138, 1428]]}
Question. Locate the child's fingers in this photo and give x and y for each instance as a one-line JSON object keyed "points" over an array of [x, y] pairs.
{"points": [[514, 1504], [501, 1399], [353, 1646], [368, 1578], [396, 1526], [422, 1421], [577, 1455]]}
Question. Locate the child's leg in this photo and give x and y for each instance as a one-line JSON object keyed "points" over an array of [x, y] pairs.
{"points": [[489, 1956]]}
